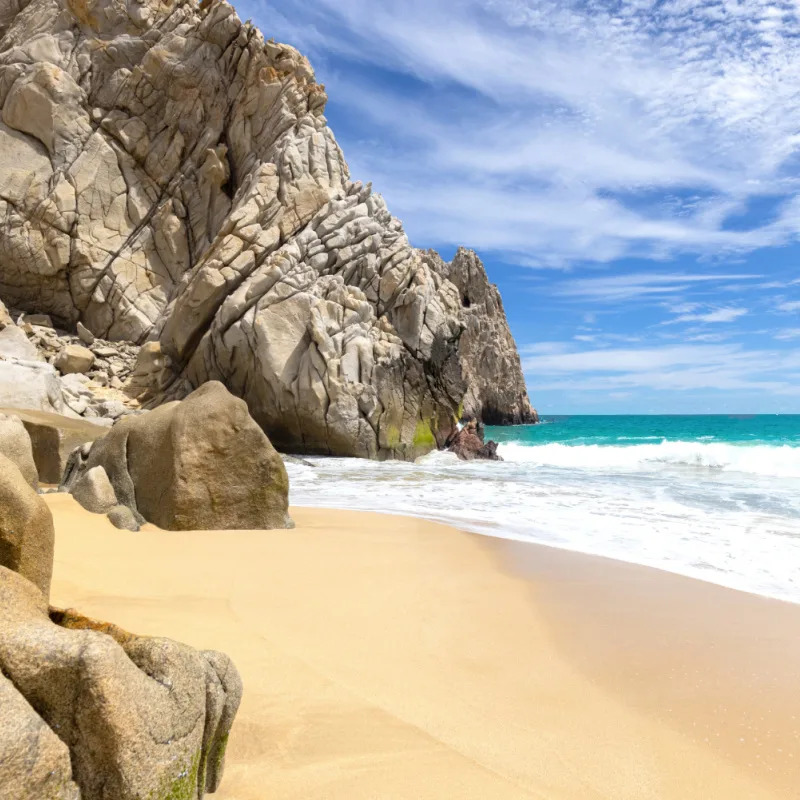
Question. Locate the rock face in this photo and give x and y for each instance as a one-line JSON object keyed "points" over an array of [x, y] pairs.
{"points": [[140, 717], [34, 762], [168, 174], [490, 363], [15, 445], [53, 438], [201, 463], [26, 529]]}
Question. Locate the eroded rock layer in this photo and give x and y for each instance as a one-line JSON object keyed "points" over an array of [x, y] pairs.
{"points": [[166, 173]]}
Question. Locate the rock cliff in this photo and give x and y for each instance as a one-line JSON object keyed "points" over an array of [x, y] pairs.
{"points": [[167, 174]]}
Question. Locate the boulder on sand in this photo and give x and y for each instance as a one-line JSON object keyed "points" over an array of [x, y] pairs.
{"points": [[201, 463], [15, 445], [93, 490], [142, 718], [124, 519], [26, 529]]}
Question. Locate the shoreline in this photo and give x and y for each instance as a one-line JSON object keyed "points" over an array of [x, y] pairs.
{"points": [[562, 548], [392, 657]]}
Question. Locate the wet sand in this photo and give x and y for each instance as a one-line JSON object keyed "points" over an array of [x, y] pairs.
{"points": [[389, 657]]}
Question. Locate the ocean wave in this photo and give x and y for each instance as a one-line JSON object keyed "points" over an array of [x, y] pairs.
{"points": [[773, 460]]}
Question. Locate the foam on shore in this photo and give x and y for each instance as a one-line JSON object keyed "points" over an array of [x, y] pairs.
{"points": [[724, 513]]}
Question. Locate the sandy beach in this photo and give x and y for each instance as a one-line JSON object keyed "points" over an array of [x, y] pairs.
{"points": [[388, 657]]}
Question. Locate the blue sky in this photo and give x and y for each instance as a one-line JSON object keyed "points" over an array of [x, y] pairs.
{"points": [[628, 171]]}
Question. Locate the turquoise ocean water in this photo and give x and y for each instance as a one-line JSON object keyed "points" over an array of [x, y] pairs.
{"points": [[627, 431], [714, 497]]}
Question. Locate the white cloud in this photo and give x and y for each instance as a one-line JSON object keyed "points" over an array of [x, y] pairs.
{"points": [[710, 317], [789, 307], [788, 334], [567, 130], [706, 337], [616, 288], [680, 368]]}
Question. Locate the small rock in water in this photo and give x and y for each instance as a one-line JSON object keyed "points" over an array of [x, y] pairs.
{"points": [[468, 444]]}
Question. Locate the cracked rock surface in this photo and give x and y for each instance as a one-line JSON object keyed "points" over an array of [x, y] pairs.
{"points": [[142, 717], [167, 174]]}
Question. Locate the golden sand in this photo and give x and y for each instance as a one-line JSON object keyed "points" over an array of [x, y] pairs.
{"points": [[386, 657]]}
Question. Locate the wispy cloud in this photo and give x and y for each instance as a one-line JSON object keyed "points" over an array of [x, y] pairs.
{"points": [[564, 130], [789, 307], [684, 367], [787, 334], [711, 317], [616, 288]]}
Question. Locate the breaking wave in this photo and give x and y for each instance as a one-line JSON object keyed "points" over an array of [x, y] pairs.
{"points": [[780, 461]]}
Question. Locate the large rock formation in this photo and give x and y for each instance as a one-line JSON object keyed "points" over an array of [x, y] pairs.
{"points": [[200, 463], [87, 710], [142, 718], [168, 174], [489, 359]]}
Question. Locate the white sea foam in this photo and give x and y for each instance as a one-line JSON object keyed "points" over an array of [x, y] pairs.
{"points": [[729, 514], [781, 461]]}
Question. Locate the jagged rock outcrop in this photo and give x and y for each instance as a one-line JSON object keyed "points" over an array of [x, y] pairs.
{"points": [[200, 463], [490, 363], [168, 174]]}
